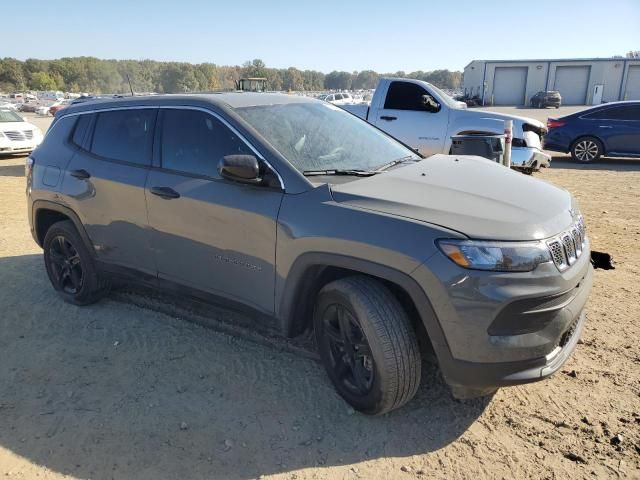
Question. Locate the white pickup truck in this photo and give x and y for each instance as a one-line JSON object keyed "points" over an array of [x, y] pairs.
{"points": [[425, 118]]}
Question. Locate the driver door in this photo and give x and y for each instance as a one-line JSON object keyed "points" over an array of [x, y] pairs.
{"points": [[405, 117]]}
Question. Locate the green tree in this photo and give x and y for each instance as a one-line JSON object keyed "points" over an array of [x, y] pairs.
{"points": [[11, 74], [338, 81], [292, 79], [366, 79], [43, 81], [255, 68], [93, 75]]}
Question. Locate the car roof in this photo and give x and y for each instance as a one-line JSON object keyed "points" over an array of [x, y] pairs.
{"points": [[223, 99], [612, 104], [602, 106]]}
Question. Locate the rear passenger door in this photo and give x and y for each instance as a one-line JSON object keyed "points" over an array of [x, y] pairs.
{"points": [[210, 233], [104, 184], [622, 129]]}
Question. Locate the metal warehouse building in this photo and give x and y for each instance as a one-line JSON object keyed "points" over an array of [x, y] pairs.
{"points": [[587, 81]]}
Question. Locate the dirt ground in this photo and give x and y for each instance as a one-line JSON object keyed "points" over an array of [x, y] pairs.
{"points": [[128, 388]]}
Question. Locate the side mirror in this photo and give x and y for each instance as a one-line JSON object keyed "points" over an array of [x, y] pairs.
{"points": [[430, 104], [240, 168]]}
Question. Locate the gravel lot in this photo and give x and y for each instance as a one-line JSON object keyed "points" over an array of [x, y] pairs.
{"points": [[128, 388]]}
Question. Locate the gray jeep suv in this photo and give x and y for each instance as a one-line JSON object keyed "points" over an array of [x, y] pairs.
{"points": [[319, 222]]}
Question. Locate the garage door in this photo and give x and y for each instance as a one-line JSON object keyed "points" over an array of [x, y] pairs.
{"points": [[632, 90], [572, 83], [508, 85]]}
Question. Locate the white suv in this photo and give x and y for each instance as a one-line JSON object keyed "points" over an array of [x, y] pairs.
{"points": [[339, 98]]}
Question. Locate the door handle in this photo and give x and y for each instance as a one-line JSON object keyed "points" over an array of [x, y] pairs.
{"points": [[388, 118], [605, 126], [165, 192], [81, 173]]}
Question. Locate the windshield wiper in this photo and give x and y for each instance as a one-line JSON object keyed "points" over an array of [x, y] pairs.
{"points": [[408, 158], [337, 171]]}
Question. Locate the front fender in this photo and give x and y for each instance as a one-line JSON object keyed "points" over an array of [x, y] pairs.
{"points": [[315, 231]]}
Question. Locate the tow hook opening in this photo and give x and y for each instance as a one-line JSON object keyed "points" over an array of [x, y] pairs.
{"points": [[602, 260]]}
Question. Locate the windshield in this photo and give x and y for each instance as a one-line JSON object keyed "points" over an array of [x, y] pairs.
{"points": [[9, 116], [321, 136], [451, 103]]}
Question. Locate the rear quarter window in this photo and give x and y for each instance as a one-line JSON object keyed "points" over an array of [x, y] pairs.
{"points": [[80, 130]]}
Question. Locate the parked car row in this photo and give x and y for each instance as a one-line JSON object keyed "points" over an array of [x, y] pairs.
{"points": [[337, 98]]}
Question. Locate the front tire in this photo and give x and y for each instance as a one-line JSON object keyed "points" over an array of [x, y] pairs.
{"points": [[367, 344], [586, 150], [70, 267]]}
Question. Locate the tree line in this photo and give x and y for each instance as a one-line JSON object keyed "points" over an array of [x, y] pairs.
{"points": [[89, 74]]}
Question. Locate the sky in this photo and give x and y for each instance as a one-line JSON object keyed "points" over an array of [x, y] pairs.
{"points": [[385, 36]]}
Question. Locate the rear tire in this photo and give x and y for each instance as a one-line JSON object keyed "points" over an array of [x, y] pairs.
{"points": [[367, 344], [70, 266], [586, 150]]}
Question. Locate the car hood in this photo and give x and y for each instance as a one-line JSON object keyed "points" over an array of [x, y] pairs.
{"points": [[501, 117], [468, 194]]}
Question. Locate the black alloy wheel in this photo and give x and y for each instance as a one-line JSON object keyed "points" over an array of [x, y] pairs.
{"points": [[70, 265], [66, 266], [350, 353], [367, 344]]}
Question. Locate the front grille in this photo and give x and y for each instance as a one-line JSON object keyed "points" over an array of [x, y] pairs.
{"points": [[557, 253], [568, 246], [18, 136]]}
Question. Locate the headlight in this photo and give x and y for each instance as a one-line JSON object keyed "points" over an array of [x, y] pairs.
{"points": [[495, 256], [1, 135]]}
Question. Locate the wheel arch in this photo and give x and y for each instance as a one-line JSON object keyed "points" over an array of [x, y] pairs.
{"points": [[311, 271], [46, 213]]}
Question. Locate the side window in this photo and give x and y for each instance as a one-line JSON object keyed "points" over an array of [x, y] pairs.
{"points": [[195, 141], [622, 112], [405, 96], [598, 115], [625, 112], [124, 135], [632, 112], [80, 129]]}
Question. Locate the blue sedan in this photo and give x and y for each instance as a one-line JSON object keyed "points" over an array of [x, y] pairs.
{"points": [[610, 130]]}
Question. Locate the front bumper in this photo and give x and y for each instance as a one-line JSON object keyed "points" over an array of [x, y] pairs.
{"points": [[529, 158], [504, 329], [10, 146], [478, 376]]}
